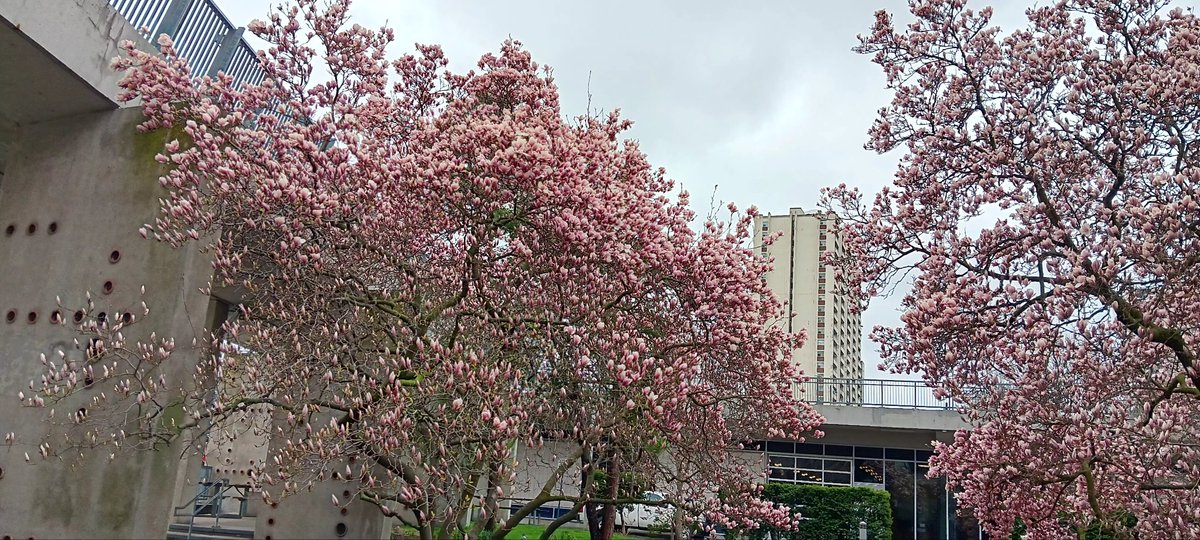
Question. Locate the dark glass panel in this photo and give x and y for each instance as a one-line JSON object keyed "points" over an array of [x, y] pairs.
{"points": [[809, 448], [900, 453], [782, 474], [924, 455], [837, 465], [931, 505], [868, 452], [813, 477], [868, 471], [837, 478], [781, 447], [898, 480], [808, 463], [839, 450], [783, 461]]}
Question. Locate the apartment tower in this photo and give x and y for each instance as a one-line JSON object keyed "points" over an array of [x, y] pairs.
{"points": [[816, 300]]}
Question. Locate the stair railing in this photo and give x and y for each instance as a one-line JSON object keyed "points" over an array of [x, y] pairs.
{"points": [[208, 500]]}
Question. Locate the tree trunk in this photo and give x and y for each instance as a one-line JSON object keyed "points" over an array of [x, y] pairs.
{"points": [[610, 509], [589, 509]]}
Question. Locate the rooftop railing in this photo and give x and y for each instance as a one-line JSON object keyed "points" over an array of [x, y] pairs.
{"points": [[201, 32], [897, 394]]}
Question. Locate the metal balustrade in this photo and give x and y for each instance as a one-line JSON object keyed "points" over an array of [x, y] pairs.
{"points": [[201, 33], [871, 393]]}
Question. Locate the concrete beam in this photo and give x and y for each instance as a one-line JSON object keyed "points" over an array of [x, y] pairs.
{"points": [[890, 418], [55, 58]]}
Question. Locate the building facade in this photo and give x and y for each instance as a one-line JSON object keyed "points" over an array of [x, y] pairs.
{"points": [[820, 303]]}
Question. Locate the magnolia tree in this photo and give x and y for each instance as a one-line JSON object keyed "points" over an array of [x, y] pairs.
{"points": [[1047, 206], [435, 269]]}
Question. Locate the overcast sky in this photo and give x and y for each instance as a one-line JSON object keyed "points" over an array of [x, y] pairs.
{"points": [[764, 101]]}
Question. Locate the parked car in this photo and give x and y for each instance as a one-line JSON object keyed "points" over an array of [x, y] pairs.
{"points": [[647, 516]]}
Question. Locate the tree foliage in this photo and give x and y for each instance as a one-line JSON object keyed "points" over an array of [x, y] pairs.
{"points": [[1047, 207], [436, 267]]}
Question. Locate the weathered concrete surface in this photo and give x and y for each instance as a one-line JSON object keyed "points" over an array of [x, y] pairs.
{"points": [[63, 66], [891, 418], [92, 179], [55, 60]]}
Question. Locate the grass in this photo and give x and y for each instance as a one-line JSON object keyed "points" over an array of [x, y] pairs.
{"points": [[531, 532]]}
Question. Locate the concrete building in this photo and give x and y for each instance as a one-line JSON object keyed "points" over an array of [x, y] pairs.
{"points": [[818, 301], [77, 180]]}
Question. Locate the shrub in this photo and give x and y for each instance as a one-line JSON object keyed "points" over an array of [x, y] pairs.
{"points": [[830, 512]]}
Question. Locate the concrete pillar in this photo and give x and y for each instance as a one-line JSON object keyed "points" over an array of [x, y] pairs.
{"points": [[74, 194]]}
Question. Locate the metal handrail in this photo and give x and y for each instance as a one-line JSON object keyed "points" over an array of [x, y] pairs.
{"points": [[201, 33], [886, 393], [210, 496]]}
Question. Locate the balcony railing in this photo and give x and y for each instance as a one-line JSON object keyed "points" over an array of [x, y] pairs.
{"points": [[201, 32], [898, 394]]}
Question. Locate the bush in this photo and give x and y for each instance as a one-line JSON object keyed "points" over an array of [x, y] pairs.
{"points": [[830, 512]]}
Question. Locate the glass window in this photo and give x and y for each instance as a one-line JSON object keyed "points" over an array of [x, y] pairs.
{"points": [[839, 450], [783, 461], [808, 463], [899, 453], [868, 452], [837, 478], [898, 480], [808, 477], [868, 471], [809, 448], [837, 465], [777, 447], [931, 505], [783, 474], [924, 455]]}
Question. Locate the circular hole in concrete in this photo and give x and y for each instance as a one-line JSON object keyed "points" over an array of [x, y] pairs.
{"points": [[340, 529], [78, 317], [53, 227], [56, 317], [101, 317], [10, 316], [344, 511], [270, 521], [114, 257], [346, 494], [108, 287], [32, 317], [8, 231], [32, 228], [126, 317]]}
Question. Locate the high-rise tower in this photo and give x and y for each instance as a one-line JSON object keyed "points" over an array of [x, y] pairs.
{"points": [[818, 302]]}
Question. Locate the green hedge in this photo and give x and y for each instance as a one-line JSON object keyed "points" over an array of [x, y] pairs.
{"points": [[832, 513]]}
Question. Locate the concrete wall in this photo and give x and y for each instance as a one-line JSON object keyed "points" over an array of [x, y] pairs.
{"points": [[76, 190]]}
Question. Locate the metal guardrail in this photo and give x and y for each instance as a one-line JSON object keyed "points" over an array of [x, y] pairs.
{"points": [[899, 394], [210, 501], [201, 32]]}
